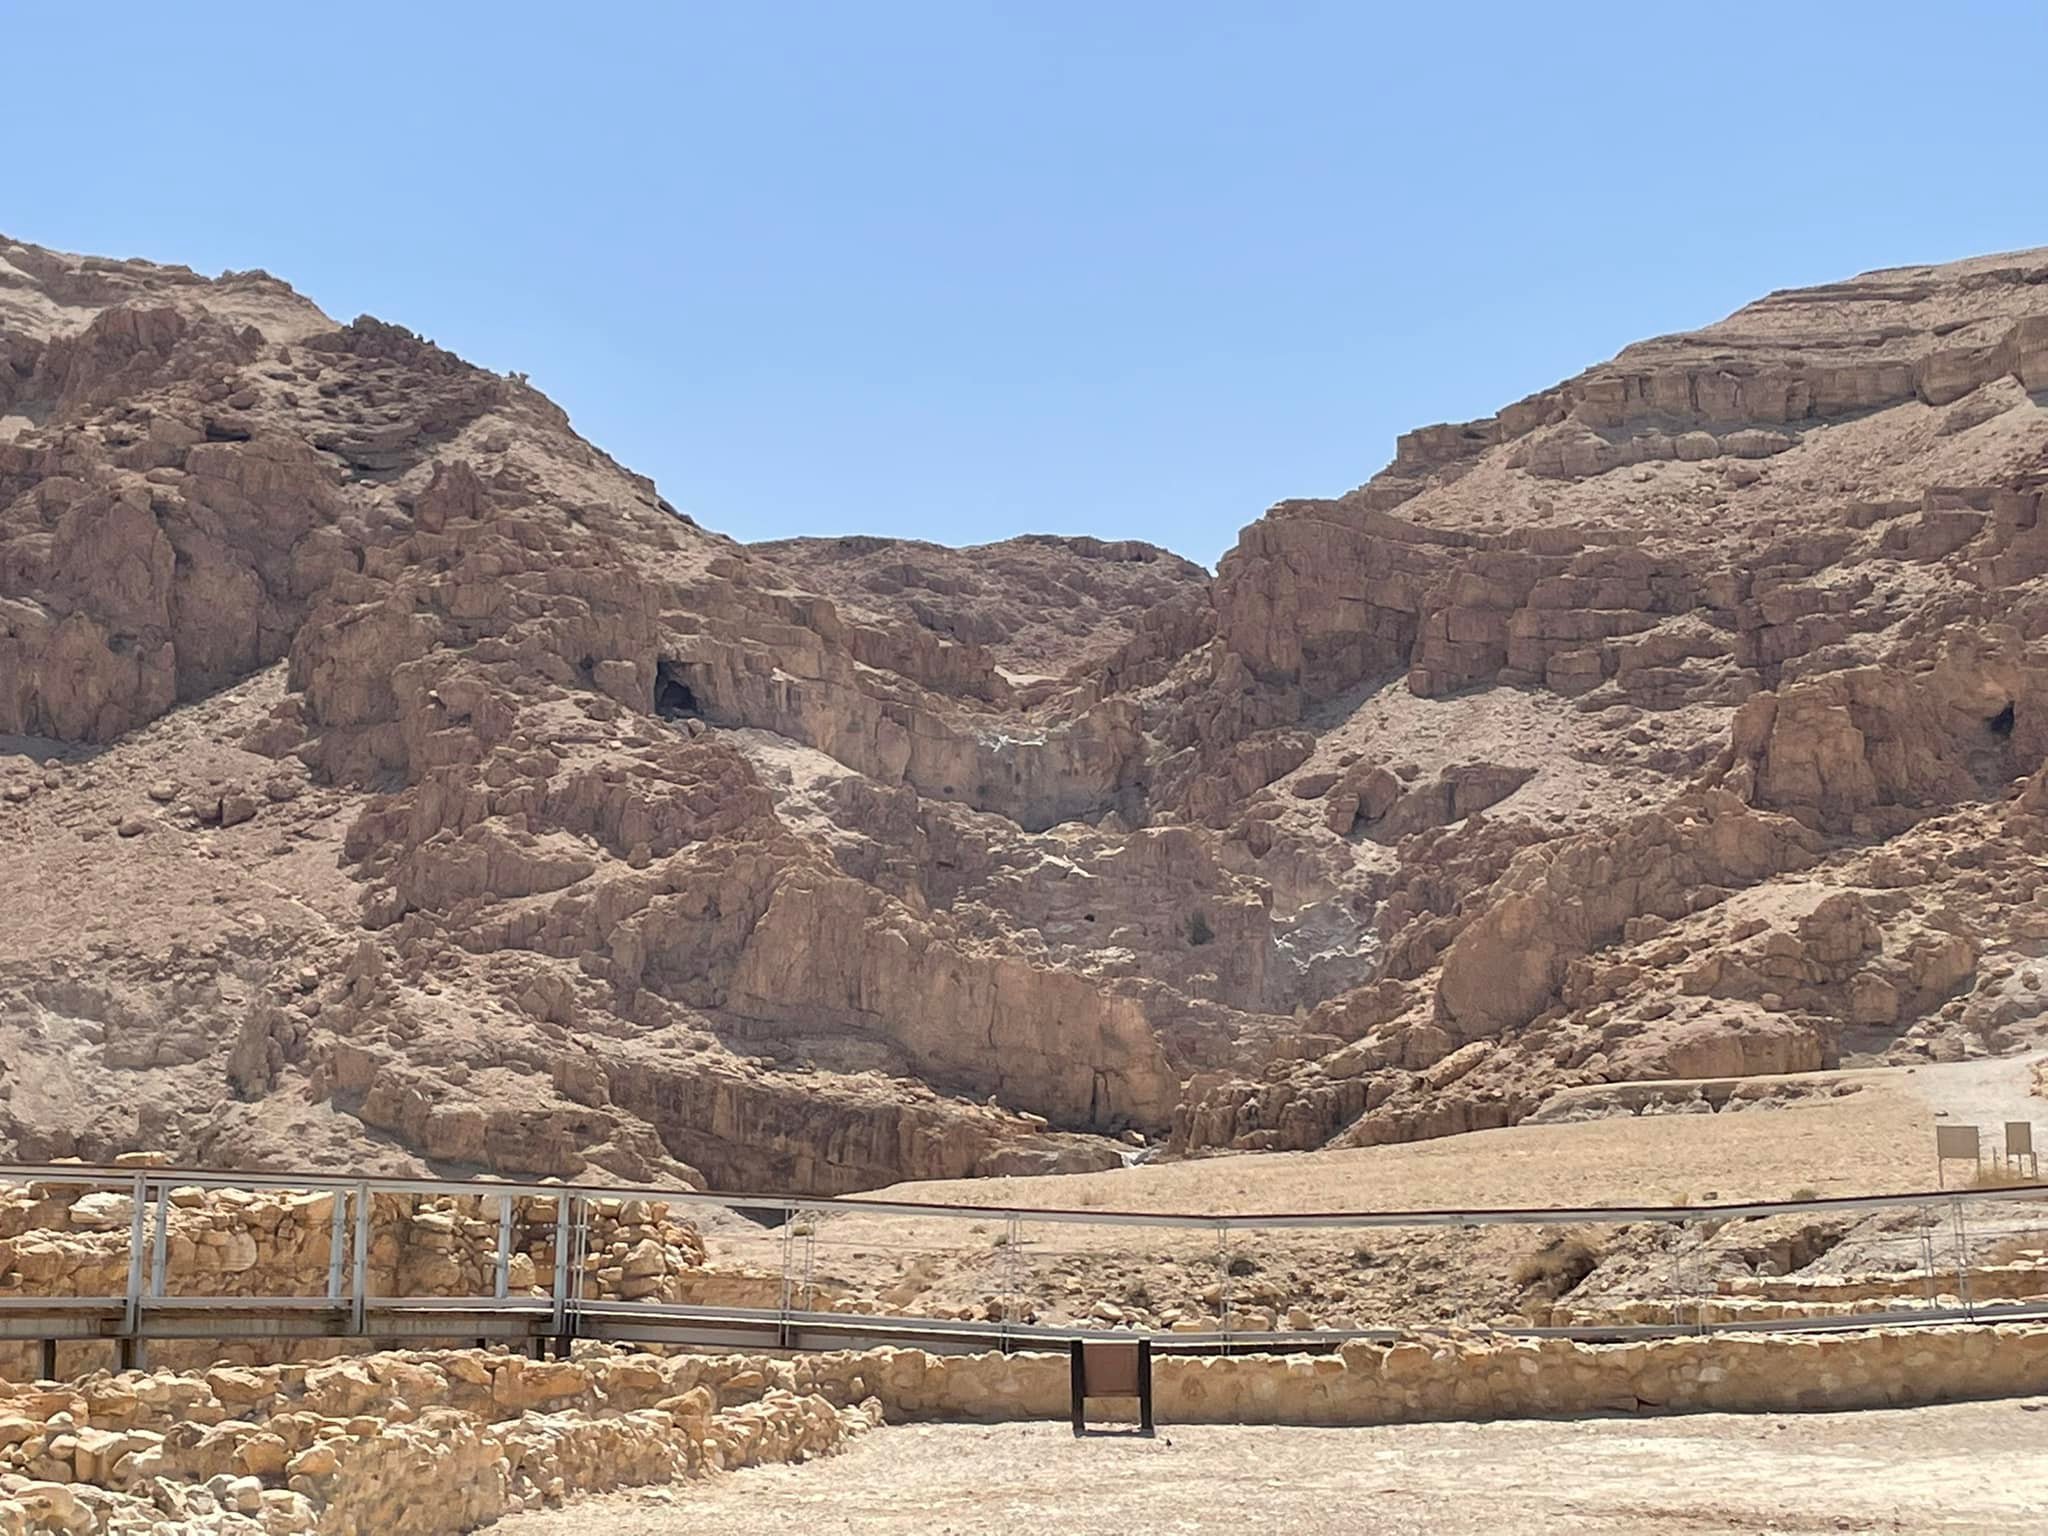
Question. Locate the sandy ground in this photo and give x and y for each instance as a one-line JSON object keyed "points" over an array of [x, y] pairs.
{"points": [[1974, 1467], [1875, 1139], [1859, 1132], [1987, 1093]]}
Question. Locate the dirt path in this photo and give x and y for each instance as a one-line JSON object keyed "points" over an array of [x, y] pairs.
{"points": [[1975, 1467], [1986, 1093]]}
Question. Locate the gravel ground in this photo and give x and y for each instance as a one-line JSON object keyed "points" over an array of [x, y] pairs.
{"points": [[1974, 1467]]}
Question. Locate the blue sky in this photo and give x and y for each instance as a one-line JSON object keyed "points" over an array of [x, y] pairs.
{"points": [[957, 271]]}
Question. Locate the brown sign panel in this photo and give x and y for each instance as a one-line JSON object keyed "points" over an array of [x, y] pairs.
{"points": [[1109, 1370], [1955, 1141]]}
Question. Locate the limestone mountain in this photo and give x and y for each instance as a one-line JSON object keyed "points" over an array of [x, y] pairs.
{"points": [[389, 778]]}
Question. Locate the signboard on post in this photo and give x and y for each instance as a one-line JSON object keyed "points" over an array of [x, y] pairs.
{"points": [[1955, 1141], [1111, 1368], [2019, 1145]]}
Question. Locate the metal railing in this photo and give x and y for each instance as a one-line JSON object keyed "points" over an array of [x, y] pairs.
{"points": [[1016, 1242]]}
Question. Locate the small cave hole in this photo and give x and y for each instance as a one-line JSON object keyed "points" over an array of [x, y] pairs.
{"points": [[1087, 917], [674, 699], [2000, 724], [1199, 931]]}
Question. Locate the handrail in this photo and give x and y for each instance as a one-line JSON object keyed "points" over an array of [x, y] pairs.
{"points": [[347, 1308], [109, 1175]]}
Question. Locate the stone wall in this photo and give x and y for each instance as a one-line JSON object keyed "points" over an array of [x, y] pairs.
{"points": [[1764, 1298], [1451, 1377], [356, 1446], [2024, 1278], [393, 1445]]}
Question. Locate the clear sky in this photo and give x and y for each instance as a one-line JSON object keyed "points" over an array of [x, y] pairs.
{"points": [[961, 270]]}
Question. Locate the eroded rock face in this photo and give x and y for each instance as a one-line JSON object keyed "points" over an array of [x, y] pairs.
{"points": [[1039, 607], [398, 780], [1560, 901]]}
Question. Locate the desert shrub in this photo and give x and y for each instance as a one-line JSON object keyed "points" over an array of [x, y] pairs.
{"points": [[1241, 1265], [1557, 1265], [1989, 1177]]}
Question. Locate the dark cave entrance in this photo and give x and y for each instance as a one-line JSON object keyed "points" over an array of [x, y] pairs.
{"points": [[2000, 724], [674, 699]]}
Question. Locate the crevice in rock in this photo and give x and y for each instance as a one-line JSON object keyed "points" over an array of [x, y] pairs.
{"points": [[674, 698]]}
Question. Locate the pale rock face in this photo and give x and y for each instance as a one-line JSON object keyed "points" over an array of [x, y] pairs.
{"points": [[1074, 1053], [400, 780], [1567, 900]]}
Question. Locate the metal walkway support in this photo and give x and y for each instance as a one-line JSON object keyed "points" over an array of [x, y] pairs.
{"points": [[144, 1310]]}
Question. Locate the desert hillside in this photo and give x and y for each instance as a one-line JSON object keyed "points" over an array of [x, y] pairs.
{"points": [[390, 779]]}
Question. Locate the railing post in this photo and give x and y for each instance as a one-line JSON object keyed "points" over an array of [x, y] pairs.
{"points": [[1013, 1284], [160, 1242], [809, 1295], [359, 1311], [1677, 1234], [1223, 1271], [1963, 1259], [561, 1316], [1927, 1255], [504, 1247], [131, 1313], [579, 1270], [569, 1275], [1699, 1281], [788, 1236], [337, 1225]]}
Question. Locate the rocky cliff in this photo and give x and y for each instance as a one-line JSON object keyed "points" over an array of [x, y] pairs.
{"points": [[388, 777]]}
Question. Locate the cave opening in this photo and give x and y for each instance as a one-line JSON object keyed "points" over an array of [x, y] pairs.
{"points": [[2000, 724], [674, 699]]}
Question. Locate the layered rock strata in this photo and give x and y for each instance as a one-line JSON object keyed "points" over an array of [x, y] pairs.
{"points": [[397, 781]]}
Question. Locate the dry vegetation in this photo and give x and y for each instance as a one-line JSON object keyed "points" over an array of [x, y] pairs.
{"points": [[1556, 1266]]}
